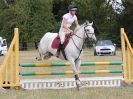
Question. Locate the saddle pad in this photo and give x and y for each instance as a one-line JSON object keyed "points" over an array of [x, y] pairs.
{"points": [[55, 43]]}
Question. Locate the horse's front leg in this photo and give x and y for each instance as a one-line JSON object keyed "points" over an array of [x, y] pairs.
{"points": [[77, 64], [76, 73]]}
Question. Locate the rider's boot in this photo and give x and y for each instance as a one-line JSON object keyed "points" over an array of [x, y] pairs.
{"points": [[61, 47]]}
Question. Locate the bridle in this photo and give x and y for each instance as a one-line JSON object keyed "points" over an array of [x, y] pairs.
{"points": [[84, 38], [85, 33]]}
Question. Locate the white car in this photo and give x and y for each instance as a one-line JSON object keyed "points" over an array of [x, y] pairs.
{"points": [[104, 47], [3, 46]]}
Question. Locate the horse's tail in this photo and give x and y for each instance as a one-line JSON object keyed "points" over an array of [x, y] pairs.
{"points": [[38, 46], [38, 49]]}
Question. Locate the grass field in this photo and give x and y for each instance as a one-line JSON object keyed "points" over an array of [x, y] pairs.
{"points": [[87, 93]]}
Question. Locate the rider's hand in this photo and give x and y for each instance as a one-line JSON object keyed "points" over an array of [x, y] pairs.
{"points": [[71, 31]]}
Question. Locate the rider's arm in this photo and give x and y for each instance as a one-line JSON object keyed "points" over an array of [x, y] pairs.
{"points": [[65, 25], [76, 22]]}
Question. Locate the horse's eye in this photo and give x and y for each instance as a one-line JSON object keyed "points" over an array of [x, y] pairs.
{"points": [[87, 30]]}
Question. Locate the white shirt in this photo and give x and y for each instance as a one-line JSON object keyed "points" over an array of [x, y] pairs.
{"points": [[70, 19]]}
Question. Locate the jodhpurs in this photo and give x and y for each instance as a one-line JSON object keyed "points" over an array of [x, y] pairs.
{"points": [[62, 35]]}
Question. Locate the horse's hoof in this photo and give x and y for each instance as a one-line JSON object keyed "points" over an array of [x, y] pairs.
{"points": [[38, 59], [78, 85]]}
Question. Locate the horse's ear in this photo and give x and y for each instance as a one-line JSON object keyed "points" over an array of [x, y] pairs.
{"points": [[86, 22], [91, 23]]}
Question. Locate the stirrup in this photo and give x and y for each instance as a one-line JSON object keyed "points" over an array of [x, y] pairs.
{"points": [[61, 46]]}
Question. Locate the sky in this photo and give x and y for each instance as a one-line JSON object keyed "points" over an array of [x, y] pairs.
{"points": [[119, 1], [118, 6]]}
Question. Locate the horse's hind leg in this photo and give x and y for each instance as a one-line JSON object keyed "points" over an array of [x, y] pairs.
{"points": [[47, 55], [40, 57]]}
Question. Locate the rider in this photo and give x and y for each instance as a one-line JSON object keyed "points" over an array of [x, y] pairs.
{"points": [[67, 21]]}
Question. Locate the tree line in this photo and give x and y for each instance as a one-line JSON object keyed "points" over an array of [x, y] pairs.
{"points": [[36, 17]]}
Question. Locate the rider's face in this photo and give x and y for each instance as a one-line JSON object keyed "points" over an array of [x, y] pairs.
{"points": [[73, 12]]}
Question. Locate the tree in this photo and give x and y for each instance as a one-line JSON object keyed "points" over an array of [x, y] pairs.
{"points": [[127, 18], [33, 18], [102, 14]]}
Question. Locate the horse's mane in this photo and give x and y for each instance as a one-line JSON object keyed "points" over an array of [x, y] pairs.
{"points": [[77, 28]]}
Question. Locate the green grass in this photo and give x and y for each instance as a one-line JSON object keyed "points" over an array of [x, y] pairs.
{"points": [[87, 93]]}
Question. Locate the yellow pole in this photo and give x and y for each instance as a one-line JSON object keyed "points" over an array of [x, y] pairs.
{"points": [[11, 68], [123, 53], [129, 63], [1, 76], [6, 73], [128, 43], [131, 66], [130, 49], [17, 55], [4, 68]]}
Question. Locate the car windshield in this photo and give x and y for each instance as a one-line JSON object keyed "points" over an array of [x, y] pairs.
{"points": [[104, 42]]}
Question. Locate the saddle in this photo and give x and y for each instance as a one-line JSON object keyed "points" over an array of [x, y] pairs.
{"points": [[57, 45]]}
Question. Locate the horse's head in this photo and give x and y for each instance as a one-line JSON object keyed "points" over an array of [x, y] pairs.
{"points": [[89, 31]]}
